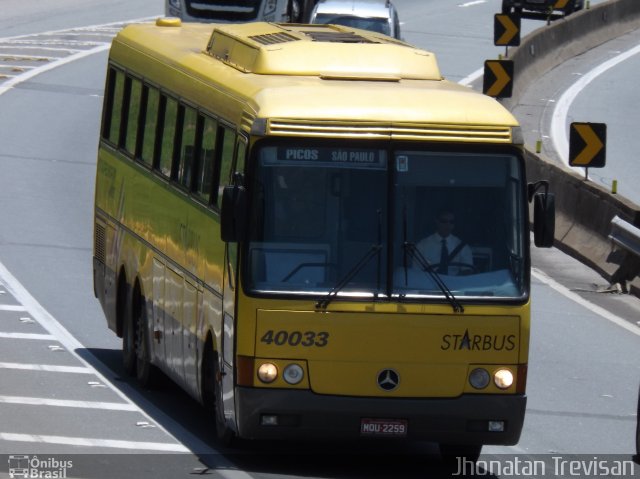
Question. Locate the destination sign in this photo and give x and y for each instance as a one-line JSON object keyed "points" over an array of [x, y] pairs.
{"points": [[322, 156]]}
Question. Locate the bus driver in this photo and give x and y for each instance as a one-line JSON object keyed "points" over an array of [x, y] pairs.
{"points": [[445, 251]]}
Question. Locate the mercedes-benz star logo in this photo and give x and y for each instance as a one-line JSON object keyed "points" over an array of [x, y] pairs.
{"points": [[388, 379]]}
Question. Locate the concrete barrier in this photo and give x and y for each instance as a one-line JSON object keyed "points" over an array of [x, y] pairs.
{"points": [[584, 209]]}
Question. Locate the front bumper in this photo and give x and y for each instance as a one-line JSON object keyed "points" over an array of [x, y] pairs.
{"points": [[305, 415]]}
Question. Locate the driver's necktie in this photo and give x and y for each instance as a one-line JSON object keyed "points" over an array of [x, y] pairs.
{"points": [[444, 258]]}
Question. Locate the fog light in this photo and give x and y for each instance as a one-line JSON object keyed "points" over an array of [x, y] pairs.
{"points": [[268, 420], [496, 426], [293, 374], [267, 372], [479, 378], [503, 378]]}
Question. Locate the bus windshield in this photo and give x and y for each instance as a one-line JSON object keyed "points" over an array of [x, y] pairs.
{"points": [[366, 222]]}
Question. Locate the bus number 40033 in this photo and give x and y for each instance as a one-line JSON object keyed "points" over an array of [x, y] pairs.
{"points": [[296, 338]]}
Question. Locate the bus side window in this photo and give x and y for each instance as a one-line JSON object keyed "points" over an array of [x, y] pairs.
{"points": [[205, 166], [187, 147], [133, 116], [152, 109], [168, 136], [225, 146], [113, 107], [241, 151]]}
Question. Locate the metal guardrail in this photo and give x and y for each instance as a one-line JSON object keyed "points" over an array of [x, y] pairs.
{"points": [[625, 235]]}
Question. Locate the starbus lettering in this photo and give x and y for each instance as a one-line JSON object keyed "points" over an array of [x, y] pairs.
{"points": [[478, 342]]}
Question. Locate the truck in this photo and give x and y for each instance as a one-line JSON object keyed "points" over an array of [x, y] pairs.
{"points": [[544, 6]]}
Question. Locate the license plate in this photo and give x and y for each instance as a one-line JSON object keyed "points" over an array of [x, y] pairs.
{"points": [[384, 427]]}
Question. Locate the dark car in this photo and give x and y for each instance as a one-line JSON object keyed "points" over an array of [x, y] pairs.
{"points": [[517, 6]]}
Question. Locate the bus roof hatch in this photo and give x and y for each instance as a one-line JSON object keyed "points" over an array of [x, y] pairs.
{"points": [[328, 51]]}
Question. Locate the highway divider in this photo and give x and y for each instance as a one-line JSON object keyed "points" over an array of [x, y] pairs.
{"points": [[584, 210]]}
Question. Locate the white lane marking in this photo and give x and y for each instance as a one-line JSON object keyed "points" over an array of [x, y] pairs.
{"points": [[6, 86], [71, 344], [39, 337], [559, 127], [92, 442], [469, 4], [34, 401], [468, 80], [12, 307], [583, 302], [47, 367]]}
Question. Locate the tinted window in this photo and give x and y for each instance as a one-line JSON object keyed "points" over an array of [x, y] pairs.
{"points": [[226, 160], [204, 173], [133, 116], [115, 115], [150, 125], [168, 136], [187, 150]]}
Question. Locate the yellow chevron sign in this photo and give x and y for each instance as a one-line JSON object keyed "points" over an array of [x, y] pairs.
{"points": [[506, 30], [587, 144], [498, 78]]}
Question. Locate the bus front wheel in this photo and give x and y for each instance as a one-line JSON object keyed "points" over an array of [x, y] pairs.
{"points": [[212, 395]]}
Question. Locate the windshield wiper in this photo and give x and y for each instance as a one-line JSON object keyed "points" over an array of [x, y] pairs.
{"points": [[426, 266], [371, 253]]}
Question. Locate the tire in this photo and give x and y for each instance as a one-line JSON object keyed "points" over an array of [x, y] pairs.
{"points": [[212, 395], [146, 373], [129, 359]]}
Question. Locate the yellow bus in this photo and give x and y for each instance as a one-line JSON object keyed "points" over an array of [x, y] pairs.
{"points": [[262, 196]]}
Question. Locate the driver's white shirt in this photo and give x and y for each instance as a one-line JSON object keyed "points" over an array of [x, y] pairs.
{"points": [[430, 248]]}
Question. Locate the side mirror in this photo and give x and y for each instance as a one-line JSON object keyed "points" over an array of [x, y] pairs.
{"points": [[233, 214], [544, 219]]}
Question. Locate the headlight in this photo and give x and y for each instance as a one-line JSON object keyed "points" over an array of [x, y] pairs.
{"points": [[174, 3], [503, 378], [267, 372], [293, 374], [479, 378]]}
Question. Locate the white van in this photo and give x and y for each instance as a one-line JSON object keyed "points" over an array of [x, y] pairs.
{"points": [[376, 15]]}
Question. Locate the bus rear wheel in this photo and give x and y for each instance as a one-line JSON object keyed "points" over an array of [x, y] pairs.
{"points": [[146, 373], [129, 344]]}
